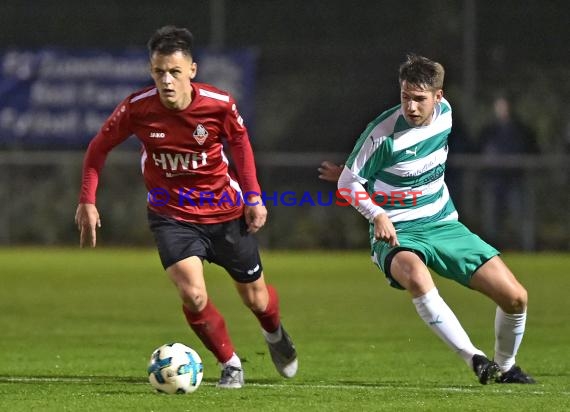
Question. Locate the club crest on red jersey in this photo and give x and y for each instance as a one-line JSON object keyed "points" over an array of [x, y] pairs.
{"points": [[200, 134]]}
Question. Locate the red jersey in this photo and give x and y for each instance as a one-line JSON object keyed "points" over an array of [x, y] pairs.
{"points": [[183, 163]]}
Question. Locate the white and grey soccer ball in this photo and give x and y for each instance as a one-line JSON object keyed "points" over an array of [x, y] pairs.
{"points": [[175, 368]]}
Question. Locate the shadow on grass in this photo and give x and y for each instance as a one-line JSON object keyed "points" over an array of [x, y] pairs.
{"points": [[253, 383], [91, 380]]}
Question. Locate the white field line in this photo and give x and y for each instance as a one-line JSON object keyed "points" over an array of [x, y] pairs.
{"points": [[96, 379]]}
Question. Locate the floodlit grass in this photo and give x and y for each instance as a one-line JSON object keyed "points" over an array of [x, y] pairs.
{"points": [[77, 328]]}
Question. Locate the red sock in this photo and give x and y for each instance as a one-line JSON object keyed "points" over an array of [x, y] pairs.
{"points": [[270, 319], [210, 327]]}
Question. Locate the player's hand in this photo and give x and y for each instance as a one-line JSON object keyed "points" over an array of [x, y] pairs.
{"points": [[384, 230], [87, 221], [255, 214], [330, 171]]}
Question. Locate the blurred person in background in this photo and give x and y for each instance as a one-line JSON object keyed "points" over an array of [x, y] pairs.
{"points": [[195, 207], [505, 202]]}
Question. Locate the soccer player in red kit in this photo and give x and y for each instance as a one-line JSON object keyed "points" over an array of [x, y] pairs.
{"points": [[196, 210]]}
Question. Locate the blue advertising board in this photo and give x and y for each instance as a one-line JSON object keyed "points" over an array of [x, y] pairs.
{"points": [[58, 98]]}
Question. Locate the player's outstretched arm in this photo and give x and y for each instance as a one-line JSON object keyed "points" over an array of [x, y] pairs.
{"points": [[330, 171], [87, 221]]}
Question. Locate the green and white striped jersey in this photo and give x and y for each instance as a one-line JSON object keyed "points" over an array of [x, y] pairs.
{"points": [[402, 169]]}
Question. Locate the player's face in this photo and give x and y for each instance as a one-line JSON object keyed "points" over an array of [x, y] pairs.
{"points": [[418, 103], [172, 74]]}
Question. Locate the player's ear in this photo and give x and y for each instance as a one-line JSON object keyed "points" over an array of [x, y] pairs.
{"points": [[193, 70], [438, 95]]}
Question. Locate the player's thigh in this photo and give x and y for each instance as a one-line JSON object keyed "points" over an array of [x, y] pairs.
{"points": [[405, 265], [254, 294], [188, 277], [495, 280], [411, 273], [177, 240]]}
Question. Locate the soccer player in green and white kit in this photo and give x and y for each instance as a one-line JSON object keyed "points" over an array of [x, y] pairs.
{"points": [[395, 178]]}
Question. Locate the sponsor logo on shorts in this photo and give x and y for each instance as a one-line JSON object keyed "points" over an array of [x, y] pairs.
{"points": [[252, 271]]}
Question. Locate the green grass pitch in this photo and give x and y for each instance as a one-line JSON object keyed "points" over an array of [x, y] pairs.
{"points": [[77, 328]]}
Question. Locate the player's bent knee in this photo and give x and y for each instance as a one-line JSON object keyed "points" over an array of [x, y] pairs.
{"points": [[411, 273], [516, 302], [194, 298], [419, 284], [254, 298], [521, 301], [255, 302]]}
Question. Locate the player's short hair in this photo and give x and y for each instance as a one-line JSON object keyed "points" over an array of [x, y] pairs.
{"points": [[423, 72], [170, 39]]}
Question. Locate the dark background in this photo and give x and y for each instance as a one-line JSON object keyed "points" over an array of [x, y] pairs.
{"points": [[325, 69]]}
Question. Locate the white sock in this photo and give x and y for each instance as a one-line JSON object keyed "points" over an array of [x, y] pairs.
{"points": [[272, 337], [439, 317], [509, 331], [234, 361]]}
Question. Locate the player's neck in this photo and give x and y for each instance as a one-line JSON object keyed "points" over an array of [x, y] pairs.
{"points": [[186, 100], [180, 103]]}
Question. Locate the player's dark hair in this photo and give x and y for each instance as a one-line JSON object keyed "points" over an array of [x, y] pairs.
{"points": [[170, 39], [423, 72]]}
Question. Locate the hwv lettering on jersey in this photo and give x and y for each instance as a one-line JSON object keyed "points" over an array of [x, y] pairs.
{"points": [[179, 161]]}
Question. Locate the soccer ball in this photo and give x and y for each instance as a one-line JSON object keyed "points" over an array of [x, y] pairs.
{"points": [[175, 368]]}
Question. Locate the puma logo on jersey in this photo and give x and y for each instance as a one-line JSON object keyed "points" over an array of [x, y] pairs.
{"points": [[157, 135], [200, 134], [412, 152]]}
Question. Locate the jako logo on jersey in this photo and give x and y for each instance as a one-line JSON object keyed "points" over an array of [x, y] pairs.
{"points": [[200, 134], [179, 161], [157, 135]]}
